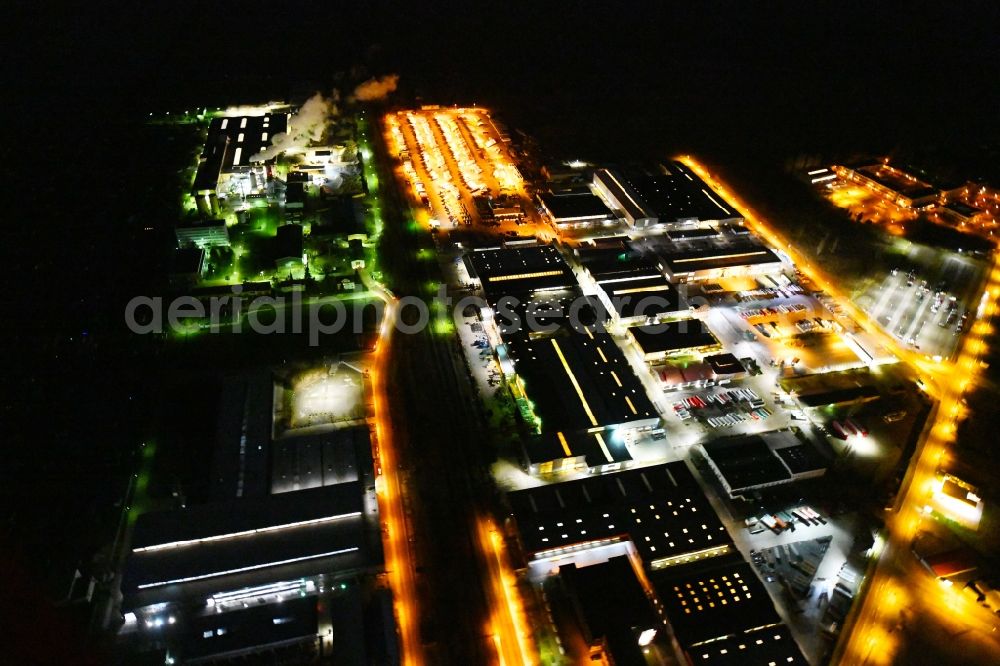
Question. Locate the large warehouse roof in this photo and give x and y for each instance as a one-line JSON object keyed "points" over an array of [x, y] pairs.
{"points": [[300, 462], [248, 135], [673, 336], [591, 446], [746, 462], [322, 528], [640, 295], [574, 207], [542, 310], [660, 508], [624, 193], [579, 381], [713, 598], [710, 258], [768, 645], [674, 193], [519, 270], [611, 604], [616, 261]]}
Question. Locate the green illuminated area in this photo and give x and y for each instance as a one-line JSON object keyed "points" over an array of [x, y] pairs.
{"points": [[441, 319], [141, 501], [340, 214]]}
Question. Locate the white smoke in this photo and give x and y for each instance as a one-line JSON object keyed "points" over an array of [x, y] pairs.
{"points": [[305, 127], [375, 89]]}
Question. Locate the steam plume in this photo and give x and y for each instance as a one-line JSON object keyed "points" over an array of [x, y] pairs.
{"points": [[376, 88], [304, 128]]}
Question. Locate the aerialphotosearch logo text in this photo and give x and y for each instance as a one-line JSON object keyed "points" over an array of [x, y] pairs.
{"points": [[329, 315]]}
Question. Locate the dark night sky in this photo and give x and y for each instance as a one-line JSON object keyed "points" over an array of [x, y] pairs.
{"points": [[815, 75], [756, 80]]}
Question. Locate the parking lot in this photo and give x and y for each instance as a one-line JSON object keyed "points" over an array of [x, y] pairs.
{"points": [[919, 309]]}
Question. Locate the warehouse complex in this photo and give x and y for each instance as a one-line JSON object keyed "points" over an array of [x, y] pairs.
{"points": [[232, 142], [896, 185], [641, 554], [276, 560]]}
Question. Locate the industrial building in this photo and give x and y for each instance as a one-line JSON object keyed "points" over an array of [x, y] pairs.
{"points": [[229, 147], [720, 613], [719, 261], [686, 336], [658, 512], [202, 233], [639, 299], [891, 183], [963, 213], [518, 271], [187, 265], [747, 463], [574, 210], [629, 285], [205, 549], [669, 195], [288, 243], [607, 605], [584, 376], [555, 452], [713, 608], [626, 201], [343, 217], [276, 561]]}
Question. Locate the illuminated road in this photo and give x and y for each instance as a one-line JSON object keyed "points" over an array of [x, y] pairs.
{"points": [[398, 561], [896, 586], [470, 610], [872, 640], [508, 625]]}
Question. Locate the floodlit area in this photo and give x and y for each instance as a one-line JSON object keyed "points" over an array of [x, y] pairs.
{"points": [[327, 396], [459, 170], [926, 310], [865, 205]]}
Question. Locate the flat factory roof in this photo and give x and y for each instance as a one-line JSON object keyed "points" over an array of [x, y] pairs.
{"points": [[248, 135], [637, 294], [674, 193], [342, 455], [673, 336], [256, 537], [800, 458], [622, 191], [576, 206], [612, 604], [717, 597], [963, 209], [897, 180], [616, 261], [746, 461], [660, 508], [595, 450], [543, 309], [579, 381], [719, 257], [724, 364], [244, 424], [768, 645], [519, 270], [688, 234], [257, 626]]}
